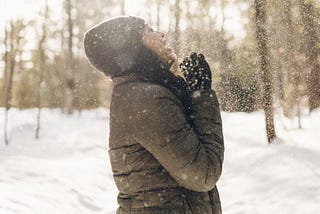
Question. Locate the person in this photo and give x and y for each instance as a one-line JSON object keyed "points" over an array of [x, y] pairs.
{"points": [[166, 142]]}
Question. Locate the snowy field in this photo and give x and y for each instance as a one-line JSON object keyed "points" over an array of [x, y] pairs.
{"points": [[67, 170]]}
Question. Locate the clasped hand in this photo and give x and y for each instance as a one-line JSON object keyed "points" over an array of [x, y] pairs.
{"points": [[196, 72]]}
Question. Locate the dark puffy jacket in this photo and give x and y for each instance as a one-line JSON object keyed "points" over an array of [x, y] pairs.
{"points": [[163, 161]]}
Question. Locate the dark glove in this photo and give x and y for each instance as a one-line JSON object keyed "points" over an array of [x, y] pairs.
{"points": [[196, 72]]}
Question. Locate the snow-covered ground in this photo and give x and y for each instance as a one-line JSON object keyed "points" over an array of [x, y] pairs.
{"points": [[67, 170]]}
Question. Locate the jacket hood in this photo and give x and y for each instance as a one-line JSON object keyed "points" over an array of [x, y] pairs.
{"points": [[114, 46]]}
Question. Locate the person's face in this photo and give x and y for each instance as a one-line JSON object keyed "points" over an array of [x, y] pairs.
{"points": [[156, 41]]}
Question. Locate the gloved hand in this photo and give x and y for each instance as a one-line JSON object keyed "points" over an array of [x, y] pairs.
{"points": [[196, 72]]}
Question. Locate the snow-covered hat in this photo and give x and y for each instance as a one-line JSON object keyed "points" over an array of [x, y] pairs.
{"points": [[113, 45]]}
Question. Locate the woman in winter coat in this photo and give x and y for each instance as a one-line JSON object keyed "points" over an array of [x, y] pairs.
{"points": [[166, 142]]}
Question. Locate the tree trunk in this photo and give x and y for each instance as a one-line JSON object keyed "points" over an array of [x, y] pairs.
{"points": [[5, 82], [70, 78], [291, 62], [10, 68], [41, 67], [309, 20], [260, 6]]}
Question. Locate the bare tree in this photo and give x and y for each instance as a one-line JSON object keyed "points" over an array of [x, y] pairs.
{"points": [[12, 46], [41, 64], [70, 73], [9, 77], [309, 19], [5, 77], [290, 60], [260, 7]]}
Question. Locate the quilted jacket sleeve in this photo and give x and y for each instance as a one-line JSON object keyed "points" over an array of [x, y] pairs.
{"points": [[192, 155]]}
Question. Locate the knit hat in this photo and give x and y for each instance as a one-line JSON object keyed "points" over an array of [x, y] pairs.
{"points": [[113, 45]]}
